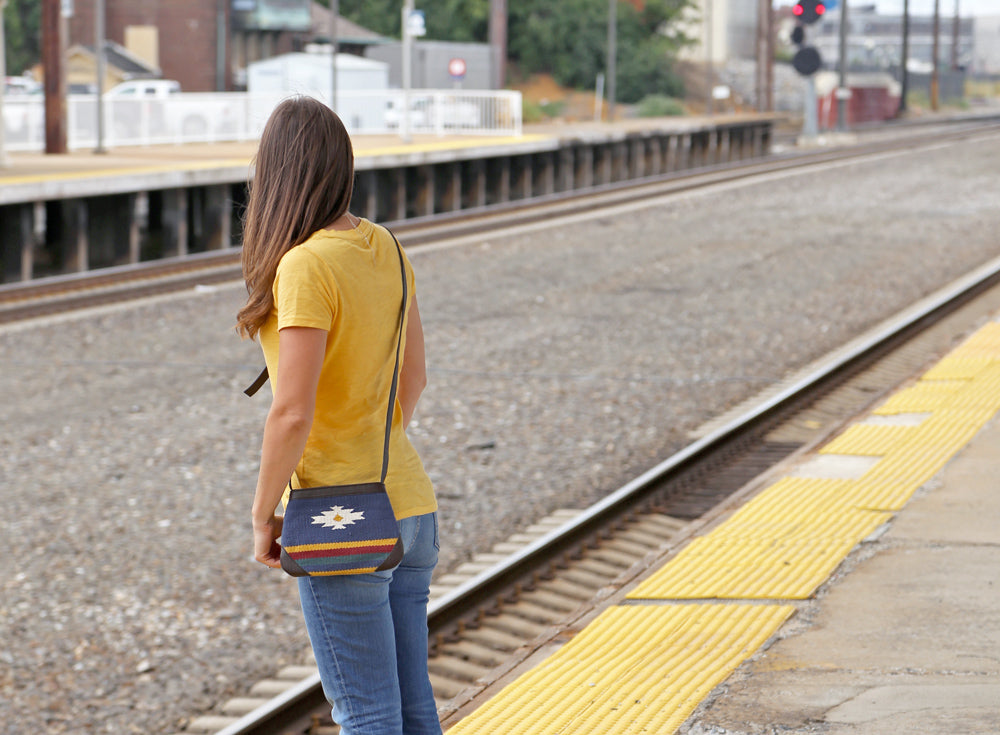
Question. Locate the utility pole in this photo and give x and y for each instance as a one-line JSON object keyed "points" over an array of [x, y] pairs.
{"points": [[498, 40], [935, 79], [221, 39], [99, 46], [765, 56], [612, 56], [55, 76], [904, 62], [4, 163], [842, 90], [334, 14]]}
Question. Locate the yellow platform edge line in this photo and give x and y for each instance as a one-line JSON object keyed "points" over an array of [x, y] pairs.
{"points": [[676, 655]]}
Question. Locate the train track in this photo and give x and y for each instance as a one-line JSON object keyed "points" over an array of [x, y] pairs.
{"points": [[486, 617], [492, 613], [44, 296]]}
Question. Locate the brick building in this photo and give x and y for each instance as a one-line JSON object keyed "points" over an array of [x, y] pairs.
{"points": [[207, 44]]}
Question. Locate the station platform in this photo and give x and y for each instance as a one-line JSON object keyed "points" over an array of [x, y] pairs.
{"points": [[857, 592], [27, 174]]}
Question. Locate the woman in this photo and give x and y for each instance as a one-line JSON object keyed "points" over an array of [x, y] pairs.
{"points": [[324, 299]]}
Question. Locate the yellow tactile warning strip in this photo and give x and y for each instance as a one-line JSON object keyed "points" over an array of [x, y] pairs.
{"points": [[445, 145], [361, 150], [769, 561], [634, 669], [645, 666]]}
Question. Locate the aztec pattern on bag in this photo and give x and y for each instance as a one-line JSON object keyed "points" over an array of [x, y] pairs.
{"points": [[346, 529]]}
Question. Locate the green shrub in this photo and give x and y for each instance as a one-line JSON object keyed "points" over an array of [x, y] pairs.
{"points": [[531, 112], [659, 105]]}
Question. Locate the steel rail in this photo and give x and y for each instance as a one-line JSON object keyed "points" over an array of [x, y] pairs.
{"points": [[495, 582]]}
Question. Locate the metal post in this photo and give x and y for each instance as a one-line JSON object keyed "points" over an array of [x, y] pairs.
{"points": [[612, 55], [4, 163], [765, 56], [404, 115], [904, 72], [99, 46], [955, 36], [334, 13], [935, 80], [810, 125], [842, 85]]}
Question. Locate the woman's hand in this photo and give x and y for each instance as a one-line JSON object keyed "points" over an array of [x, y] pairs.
{"points": [[266, 549]]}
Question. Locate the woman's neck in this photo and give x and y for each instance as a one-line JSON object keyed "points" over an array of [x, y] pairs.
{"points": [[346, 221]]}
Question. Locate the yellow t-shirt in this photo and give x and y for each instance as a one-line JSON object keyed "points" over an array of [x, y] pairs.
{"points": [[336, 282]]}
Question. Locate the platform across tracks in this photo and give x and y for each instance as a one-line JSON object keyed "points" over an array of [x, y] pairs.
{"points": [[81, 211]]}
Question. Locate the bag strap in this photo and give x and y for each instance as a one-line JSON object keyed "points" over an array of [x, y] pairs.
{"points": [[395, 371], [262, 378]]}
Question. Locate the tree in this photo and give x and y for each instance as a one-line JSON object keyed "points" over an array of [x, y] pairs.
{"points": [[23, 34], [567, 38]]}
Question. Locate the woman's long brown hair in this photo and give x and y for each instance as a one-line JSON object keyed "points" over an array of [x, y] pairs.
{"points": [[303, 182]]}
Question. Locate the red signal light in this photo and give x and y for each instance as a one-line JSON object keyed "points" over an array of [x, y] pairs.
{"points": [[808, 11]]}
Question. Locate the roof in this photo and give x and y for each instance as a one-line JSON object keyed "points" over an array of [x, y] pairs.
{"points": [[347, 31], [124, 60], [344, 61]]}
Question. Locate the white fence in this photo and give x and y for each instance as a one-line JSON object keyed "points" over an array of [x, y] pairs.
{"points": [[207, 117]]}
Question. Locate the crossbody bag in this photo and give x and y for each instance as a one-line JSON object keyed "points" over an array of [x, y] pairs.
{"points": [[344, 529]]}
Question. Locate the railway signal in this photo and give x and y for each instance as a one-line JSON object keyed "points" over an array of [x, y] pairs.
{"points": [[809, 11], [807, 60]]}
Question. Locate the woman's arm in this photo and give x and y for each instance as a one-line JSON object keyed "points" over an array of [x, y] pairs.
{"points": [[413, 373], [301, 351]]}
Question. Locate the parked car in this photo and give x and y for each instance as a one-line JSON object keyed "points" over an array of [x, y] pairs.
{"points": [[152, 108], [23, 110], [19, 86]]}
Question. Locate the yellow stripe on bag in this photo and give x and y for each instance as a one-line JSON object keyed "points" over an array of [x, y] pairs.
{"points": [[340, 545]]}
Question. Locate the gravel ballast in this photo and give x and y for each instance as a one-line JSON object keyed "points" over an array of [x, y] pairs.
{"points": [[562, 362]]}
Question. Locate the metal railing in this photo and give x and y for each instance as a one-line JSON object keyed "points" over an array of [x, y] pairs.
{"points": [[208, 117]]}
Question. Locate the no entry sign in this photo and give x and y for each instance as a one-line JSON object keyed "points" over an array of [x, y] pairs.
{"points": [[456, 68]]}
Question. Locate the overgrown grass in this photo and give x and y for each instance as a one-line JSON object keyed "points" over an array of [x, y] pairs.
{"points": [[659, 105]]}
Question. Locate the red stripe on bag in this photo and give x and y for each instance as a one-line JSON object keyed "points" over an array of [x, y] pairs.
{"points": [[348, 551]]}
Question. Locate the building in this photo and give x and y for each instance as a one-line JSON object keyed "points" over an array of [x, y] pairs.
{"points": [[730, 32], [986, 47], [432, 64], [875, 41], [207, 45]]}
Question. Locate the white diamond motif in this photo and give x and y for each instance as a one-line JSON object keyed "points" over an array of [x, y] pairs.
{"points": [[338, 517]]}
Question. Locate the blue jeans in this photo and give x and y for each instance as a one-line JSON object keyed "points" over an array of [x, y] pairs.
{"points": [[369, 636]]}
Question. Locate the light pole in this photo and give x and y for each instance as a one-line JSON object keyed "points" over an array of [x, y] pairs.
{"points": [[334, 13], [4, 163], [99, 46], [842, 93], [612, 55], [709, 98], [404, 115], [904, 71]]}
